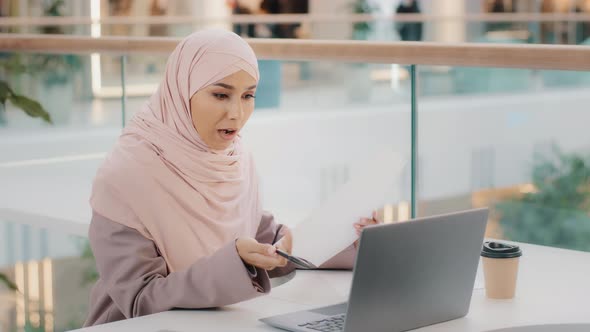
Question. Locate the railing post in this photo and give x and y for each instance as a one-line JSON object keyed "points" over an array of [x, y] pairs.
{"points": [[123, 90], [414, 140]]}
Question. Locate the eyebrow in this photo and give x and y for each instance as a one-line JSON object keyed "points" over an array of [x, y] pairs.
{"points": [[231, 87]]}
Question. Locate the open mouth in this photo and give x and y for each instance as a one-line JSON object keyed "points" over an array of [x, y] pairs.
{"points": [[228, 133]]}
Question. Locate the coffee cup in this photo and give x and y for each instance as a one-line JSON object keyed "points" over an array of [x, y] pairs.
{"points": [[500, 268]]}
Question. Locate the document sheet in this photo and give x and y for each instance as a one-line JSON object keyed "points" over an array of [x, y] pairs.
{"points": [[329, 228]]}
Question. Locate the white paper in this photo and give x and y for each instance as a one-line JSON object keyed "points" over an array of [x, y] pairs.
{"points": [[328, 230]]}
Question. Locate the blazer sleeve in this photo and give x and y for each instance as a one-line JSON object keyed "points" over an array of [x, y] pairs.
{"points": [[136, 278]]}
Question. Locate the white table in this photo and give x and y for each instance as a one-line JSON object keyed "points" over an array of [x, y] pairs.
{"points": [[553, 287]]}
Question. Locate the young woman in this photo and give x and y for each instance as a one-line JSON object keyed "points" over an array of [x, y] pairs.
{"points": [[177, 220]]}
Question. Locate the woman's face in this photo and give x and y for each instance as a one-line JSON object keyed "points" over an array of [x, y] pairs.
{"points": [[220, 110]]}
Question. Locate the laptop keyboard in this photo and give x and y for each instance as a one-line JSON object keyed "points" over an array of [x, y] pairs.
{"points": [[330, 324]]}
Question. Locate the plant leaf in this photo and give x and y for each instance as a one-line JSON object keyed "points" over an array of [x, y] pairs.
{"points": [[13, 64], [30, 106], [4, 279], [5, 92]]}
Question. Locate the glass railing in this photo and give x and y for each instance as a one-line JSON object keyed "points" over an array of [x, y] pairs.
{"points": [[313, 113], [53, 273], [510, 139]]}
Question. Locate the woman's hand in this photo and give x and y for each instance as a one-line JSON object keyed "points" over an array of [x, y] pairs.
{"points": [[258, 254], [286, 242], [364, 222]]}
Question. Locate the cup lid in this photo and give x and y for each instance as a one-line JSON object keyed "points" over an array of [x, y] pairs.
{"points": [[493, 249]]}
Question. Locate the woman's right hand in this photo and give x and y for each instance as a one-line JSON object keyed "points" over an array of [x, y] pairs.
{"points": [[258, 254]]}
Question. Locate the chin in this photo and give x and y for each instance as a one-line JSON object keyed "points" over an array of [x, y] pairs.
{"points": [[221, 146]]}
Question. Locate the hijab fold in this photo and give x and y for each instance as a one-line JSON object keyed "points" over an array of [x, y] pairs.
{"points": [[163, 180]]}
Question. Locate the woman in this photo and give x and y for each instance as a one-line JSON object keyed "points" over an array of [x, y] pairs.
{"points": [[177, 221]]}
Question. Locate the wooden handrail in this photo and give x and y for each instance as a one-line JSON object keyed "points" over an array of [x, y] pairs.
{"points": [[419, 53], [294, 18]]}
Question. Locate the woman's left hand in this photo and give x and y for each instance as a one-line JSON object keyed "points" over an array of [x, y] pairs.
{"points": [[364, 222]]}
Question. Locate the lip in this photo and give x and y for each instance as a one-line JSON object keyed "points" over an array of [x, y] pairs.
{"points": [[227, 137]]}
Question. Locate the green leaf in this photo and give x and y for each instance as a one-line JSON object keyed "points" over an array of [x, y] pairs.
{"points": [[5, 92], [4, 279], [13, 64], [556, 214], [30, 106]]}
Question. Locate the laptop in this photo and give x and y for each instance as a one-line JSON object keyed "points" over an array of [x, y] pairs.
{"points": [[407, 275]]}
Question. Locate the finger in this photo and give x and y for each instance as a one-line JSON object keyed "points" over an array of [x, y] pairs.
{"points": [[282, 244], [263, 249], [271, 250], [280, 262], [272, 267], [366, 222], [378, 218], [283, 248], [283, 262], [286, 231], [286, 242], [263, 261]]}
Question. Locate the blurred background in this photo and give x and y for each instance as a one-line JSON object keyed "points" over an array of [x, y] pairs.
{"points": [[511, 139]]}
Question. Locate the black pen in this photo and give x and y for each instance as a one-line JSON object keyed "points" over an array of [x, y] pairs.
{"points": [[299, 262]]}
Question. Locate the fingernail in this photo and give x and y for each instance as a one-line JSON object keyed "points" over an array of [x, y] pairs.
{"points": [[357, 226]]}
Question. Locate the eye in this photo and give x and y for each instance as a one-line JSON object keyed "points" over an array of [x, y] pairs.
{"points": [[220, 96], [249, 96]]}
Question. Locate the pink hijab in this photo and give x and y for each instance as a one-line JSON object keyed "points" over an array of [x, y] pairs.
{"points": [[161, 178]]}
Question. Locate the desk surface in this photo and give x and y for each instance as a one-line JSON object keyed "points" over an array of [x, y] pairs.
{"points": [[553, 287]]}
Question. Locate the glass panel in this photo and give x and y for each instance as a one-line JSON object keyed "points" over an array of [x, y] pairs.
{"points": [[370, 101], [53, 272], [143, 75], [523, 153], [37, 157], [71, 88], [46, 171], [54, 80], [443, 80], [326, 121]]}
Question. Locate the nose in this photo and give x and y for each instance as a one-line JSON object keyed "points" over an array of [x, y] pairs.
{"points": [[235, 110]]}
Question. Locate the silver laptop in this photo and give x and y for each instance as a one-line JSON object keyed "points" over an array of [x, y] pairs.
{"points": [[407, 275]]}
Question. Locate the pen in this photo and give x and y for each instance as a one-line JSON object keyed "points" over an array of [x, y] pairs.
{"points": [[299, 262]]}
